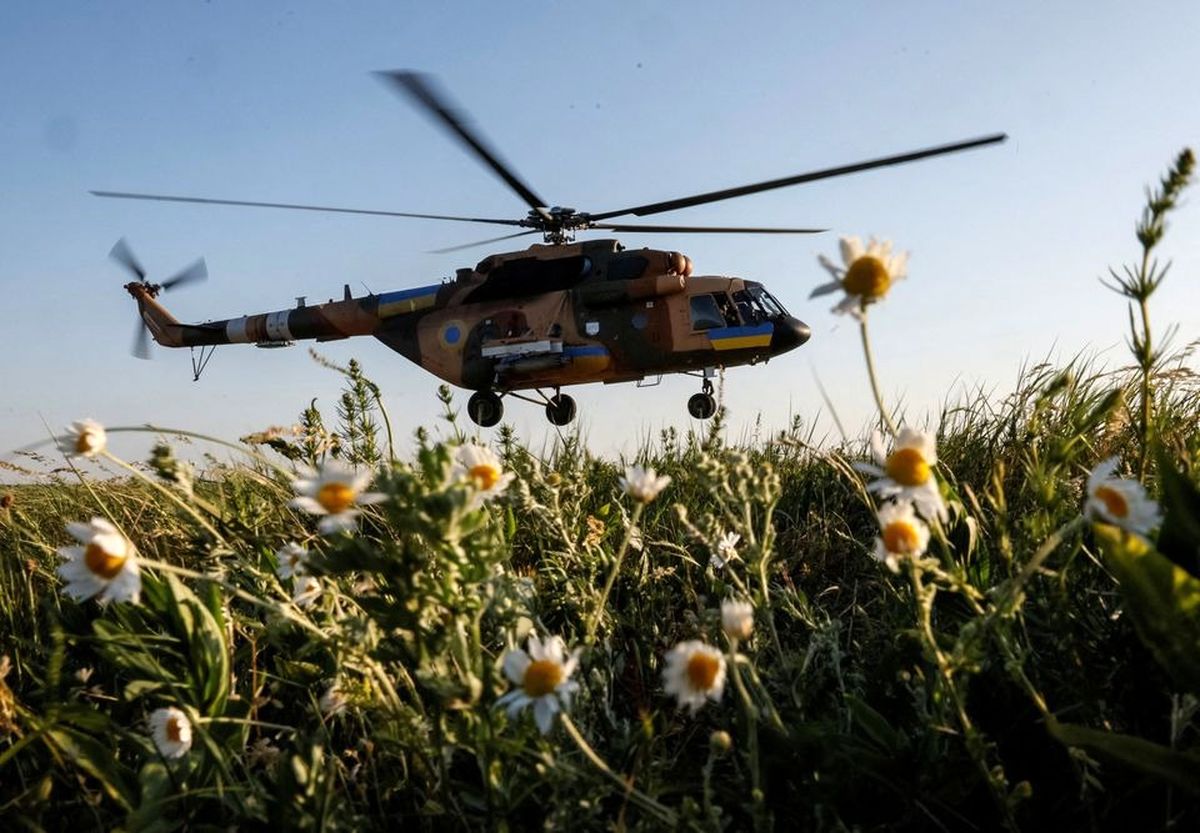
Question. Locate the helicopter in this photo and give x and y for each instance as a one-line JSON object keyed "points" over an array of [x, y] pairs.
{"points": [[526, 324]]}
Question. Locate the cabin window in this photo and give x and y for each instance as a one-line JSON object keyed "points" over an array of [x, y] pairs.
{"points": [[706, 314]]}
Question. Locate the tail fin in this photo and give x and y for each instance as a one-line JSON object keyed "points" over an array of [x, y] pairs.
{"points": [[163, 326]]}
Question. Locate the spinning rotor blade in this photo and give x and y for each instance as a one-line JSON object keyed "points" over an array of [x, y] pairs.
{"points": [[123, 255], [704, 229], [141, 340], [123, 195], [198, 271], [420, 89], [480, 242], [729, 193]]}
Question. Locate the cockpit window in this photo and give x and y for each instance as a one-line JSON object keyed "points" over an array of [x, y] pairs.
{"points": [[706, 314], [768, 302]]}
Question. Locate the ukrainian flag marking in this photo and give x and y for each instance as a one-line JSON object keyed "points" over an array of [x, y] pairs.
{"points": [[741, 338], [407, 300]]}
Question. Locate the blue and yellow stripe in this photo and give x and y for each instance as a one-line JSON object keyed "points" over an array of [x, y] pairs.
{"points": [[407, 300], [741, 338]]}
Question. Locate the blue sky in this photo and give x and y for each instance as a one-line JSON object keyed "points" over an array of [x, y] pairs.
{"points": [[598, 107]]}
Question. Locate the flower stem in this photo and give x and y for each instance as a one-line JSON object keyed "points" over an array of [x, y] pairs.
{"points": [[200, 519], [590, 634], [866, 343], [664, 814]]}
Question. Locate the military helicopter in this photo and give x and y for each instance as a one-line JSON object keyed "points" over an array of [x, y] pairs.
{"points": [[528, 323]]}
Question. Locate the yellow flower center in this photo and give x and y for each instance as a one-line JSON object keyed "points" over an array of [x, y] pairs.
{"points": [[542, 677], [335, 497], [1113, 500], [85, 443], [102, 562], [901, 538], [907, 467], [174, 729], [867, 277], [484, 476], [702, 670]]}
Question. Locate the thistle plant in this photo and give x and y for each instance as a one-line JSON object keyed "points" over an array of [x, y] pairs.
{"points": [[1138, 283]]}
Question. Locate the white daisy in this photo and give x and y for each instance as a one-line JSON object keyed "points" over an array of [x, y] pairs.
{"points": [[305, 591], [694, 671], [292, 560], [332, 701], [865, 277], [726, 550], [334, 492], [171, 731], [480, 466], [542, 677], [105, 566], [85, 438], [643, 485], [1121, 502], [737, 619], [902, 535], [907, 472]]}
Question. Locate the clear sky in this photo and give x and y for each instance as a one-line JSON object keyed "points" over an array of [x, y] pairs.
{"points": [[597, 106]]}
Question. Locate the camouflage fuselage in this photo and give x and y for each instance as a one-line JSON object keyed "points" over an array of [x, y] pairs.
{"points": [[548, 316]]}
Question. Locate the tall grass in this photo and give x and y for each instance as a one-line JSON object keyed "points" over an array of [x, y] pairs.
{"points": [[1031, 670]]}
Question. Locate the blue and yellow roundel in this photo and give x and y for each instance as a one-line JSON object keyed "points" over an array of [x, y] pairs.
{"points": [[452, 335]]}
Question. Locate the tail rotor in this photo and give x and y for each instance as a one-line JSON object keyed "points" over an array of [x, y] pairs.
{"points": [[142, 288]]}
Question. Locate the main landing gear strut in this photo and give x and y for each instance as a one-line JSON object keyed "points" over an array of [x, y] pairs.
{"points": [[485, 408], [703, 405]]}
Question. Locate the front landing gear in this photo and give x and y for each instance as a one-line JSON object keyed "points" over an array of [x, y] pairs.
{"points": [[560, 409], [703, 405], [485, 408]]}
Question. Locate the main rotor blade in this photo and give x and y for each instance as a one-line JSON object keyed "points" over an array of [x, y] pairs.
{"points": [[141, 340], [704, 229], [123, 255], [198, 271], [420, 88], [480, 243], [729, 193], [125, 195]]}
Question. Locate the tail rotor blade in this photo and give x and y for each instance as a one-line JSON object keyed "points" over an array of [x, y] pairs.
{"points": [[123, 255], [195, 273], [141, 340]]}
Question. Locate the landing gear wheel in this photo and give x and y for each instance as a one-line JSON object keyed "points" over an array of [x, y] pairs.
{"points": [[560, 409], [702, 405], [485, 408]]}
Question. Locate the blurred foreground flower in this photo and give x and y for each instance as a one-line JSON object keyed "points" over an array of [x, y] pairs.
{"points": [[643, 485], [866, 276], [106, 564], [171, 731], [902, 535], [726, 550], [694, 671], [737, 619], [907, 473], [332, 701], [305, 591], [542, 677], [292, 560], [480, 466], [334, 491], [85, 438], [1118, 501]]}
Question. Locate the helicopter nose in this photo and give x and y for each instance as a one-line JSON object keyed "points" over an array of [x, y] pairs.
{"points": [[789, 333]]}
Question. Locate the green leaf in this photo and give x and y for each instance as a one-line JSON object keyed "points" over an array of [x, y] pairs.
{"points": [[94, 758], [1163, 600], [208, 654], [1179, 768], [1179, 537]]}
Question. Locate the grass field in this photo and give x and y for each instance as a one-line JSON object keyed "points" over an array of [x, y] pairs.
{"points": [[992, 629]]}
